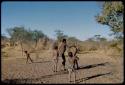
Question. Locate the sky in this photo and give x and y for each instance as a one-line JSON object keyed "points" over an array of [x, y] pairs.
{"points": [[76, 19]]}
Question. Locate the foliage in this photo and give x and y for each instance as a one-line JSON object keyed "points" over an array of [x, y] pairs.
{"points": [[3, 37], [22, 35], [97, 38], [17, 34], [112, 15], [73, 39], [37, 34], [60, 35]]}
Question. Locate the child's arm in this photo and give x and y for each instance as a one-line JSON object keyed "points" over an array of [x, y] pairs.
{"points": [[52, 54], [76, 57], [59, 46], [71, 61], [57, 54]]}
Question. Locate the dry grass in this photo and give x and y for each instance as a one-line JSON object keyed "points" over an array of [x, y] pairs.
{"points": [[93, 68]]}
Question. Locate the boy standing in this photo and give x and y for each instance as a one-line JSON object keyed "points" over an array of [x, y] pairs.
{"points": [[55, 58], [61, 50], [70, 67], [28, 56]]}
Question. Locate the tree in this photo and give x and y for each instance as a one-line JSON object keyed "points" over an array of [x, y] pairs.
{"points": [[17, 34], [60, 35], [36, 35], [22, 35], [73, 41], [3, 37], [112, 15], [97, 37], [90, 39], [102, 39]]}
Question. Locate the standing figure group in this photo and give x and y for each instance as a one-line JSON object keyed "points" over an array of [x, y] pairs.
{"points": [[59, 52], [72, 59]]}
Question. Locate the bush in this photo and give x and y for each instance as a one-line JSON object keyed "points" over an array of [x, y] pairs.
{"points": [[92, 49], [4, 54]]}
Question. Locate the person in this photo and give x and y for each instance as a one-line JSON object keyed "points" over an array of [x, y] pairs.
{"points": [[74, 49], [28, 56], [76, 62], [70, 67], [55, 58], [61, 50]]}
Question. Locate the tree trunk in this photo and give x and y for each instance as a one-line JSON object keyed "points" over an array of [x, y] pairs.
{"points": [[21, 47], [36, 44]]}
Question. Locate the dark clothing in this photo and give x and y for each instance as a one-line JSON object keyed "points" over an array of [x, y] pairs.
{"points": [[64, 59], [61, 50], [75, 63]]}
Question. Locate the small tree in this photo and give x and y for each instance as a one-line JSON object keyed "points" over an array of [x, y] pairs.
{"points": [[36, 35], [112, 15], [60, 35], [17, 34], [97, 37], [21, 35]]}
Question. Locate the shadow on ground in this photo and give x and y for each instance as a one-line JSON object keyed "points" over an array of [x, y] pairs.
{"points": [[93, 65], [91, 77], [42, 61], [26, 80]]}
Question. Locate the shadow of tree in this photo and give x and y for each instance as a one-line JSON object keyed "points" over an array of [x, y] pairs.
{"points": [[90, 77], [42, 62], [57, 73], [26, 80], [93, 65], [81, 67], [15, 81]]}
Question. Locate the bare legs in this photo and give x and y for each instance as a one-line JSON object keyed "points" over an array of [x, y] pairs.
{"points": [[64, 60], [28, 58], [55, 65], [75, 63], [69, 76]]}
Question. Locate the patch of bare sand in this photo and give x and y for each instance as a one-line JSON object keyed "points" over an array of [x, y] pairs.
{"points": [[94, 68]]}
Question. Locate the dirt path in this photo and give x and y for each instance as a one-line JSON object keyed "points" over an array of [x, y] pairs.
{"points": [[94, 68]]}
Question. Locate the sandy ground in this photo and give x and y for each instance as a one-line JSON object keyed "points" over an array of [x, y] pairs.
{"points": [[94, 68]]}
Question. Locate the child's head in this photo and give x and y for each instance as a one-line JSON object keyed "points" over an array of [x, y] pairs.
{"points": [[25, 51], [70, 54], [64, 40], [56, 47]]}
